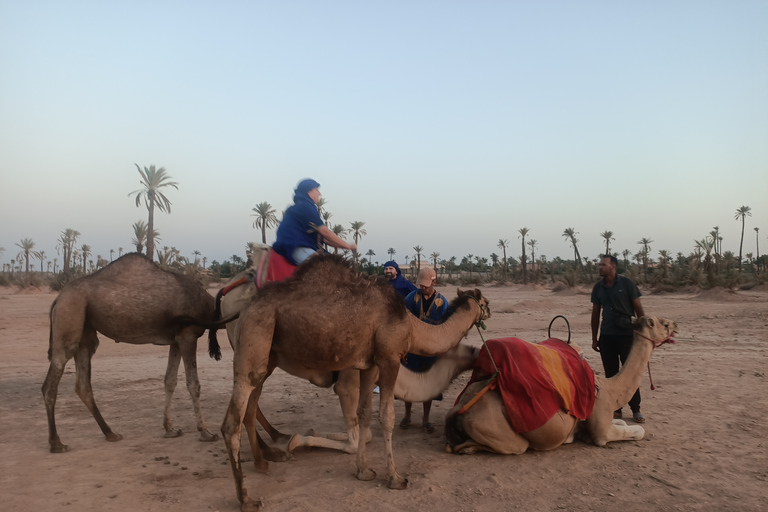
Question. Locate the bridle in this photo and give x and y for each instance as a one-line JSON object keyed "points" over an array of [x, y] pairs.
{"points": [[656, 344]]}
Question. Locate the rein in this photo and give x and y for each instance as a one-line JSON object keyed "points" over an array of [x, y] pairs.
{"points": [[491, 382], [656, 344]]}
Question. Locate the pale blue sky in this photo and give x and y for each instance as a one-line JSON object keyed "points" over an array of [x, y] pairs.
{"points": [[443, 124]]}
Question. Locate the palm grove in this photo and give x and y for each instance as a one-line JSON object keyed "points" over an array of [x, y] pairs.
{"points": [[708, 264]]}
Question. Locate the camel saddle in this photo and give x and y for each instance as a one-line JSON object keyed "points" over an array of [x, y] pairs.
{"points": [[537, 379]]}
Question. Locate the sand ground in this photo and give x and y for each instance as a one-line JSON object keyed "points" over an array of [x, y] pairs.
{"points": [[705, 448]]}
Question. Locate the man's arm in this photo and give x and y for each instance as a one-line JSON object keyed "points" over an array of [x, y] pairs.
{"points": [[595, 326], [333, 240], [638, 308]]}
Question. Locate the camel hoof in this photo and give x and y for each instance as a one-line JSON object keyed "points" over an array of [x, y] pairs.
{"points": [[397, 482], [310, 433], [59, 448], [273, 454], [295, 442], [174, 432], [261, 466], [207, 437], [112, 437], [366, 475], [448, 448], [249, 505]]}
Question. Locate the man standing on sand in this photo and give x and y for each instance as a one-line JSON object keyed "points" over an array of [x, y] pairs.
{"points": [[619, 299], [429, 306]]}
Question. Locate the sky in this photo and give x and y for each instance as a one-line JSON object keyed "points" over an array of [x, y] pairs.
{"points": [[443, 124]]}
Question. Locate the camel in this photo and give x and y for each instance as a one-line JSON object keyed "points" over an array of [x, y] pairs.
{"points": [[327, 318], [131, 300], [484, 426], [411, 386]]}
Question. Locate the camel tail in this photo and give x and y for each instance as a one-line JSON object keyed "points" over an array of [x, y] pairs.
{"points": [[214, 350], [50, 329]]}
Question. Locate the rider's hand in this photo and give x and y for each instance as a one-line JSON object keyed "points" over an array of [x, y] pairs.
{"points": [[595, 346]]}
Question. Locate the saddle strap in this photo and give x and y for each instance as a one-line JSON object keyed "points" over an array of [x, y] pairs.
{"points": [[492, 384]]}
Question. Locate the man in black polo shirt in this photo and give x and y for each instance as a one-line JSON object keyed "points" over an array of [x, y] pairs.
{"points": [[619, 299]]}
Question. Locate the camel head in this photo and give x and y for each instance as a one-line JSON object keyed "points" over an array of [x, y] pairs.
{"points": [[655, 329], [477, 296]]}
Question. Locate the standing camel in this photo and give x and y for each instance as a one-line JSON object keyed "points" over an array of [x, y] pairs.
{"points": [[131, 300], [236, 295], [484, 425], [328, 318]]}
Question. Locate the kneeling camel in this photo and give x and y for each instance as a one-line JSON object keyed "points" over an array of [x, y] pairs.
{"points": [[484, 425]]}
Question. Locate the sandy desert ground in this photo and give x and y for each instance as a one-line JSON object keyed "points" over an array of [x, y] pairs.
{"points": [[705, 448]]}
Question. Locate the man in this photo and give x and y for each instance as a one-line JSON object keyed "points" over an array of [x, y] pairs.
{"points": [[430, 307], [396, 279], [619, 299]]}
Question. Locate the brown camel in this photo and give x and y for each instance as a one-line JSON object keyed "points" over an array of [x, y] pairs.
{"points": [[328, 318], [484, 426], [411, 386], [131, 300]]}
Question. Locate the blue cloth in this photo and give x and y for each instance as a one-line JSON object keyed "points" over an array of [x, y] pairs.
{"points": [[400, 283], [300, 223], [433, 315]]}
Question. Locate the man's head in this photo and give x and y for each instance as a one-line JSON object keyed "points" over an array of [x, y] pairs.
{"points": [[390, 273], [426, 281], [607, 266]]}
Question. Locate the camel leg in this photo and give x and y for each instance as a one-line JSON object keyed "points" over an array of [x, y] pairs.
{"points": [[171, 374], [387, 376], [83, 383], [261, 451], [50, 391], [348, 390], [604, 429], [188, 349], [486, 425]]}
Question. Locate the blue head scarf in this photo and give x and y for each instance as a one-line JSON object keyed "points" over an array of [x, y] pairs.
{"points": [[302, 190]]}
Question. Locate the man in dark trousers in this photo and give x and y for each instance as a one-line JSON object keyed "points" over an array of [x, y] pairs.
{"points": [[619, 299]]}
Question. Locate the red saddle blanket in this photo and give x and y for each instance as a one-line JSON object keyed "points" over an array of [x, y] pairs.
{"points": [[538, 379], [279, 268]]}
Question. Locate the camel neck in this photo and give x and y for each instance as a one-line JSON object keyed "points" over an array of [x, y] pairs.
{"points": [[431, 340], [629, 377]]}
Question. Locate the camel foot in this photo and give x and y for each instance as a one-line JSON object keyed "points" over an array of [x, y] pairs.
{"points": [[619, 422], [206, 436], [275, 454], [397, 482], [112, 437], [296, 441], [261, 466], [366, 475], [250, 505], [59, 448], [174, 432]]}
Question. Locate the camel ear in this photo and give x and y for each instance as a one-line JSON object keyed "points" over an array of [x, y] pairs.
{"points": [[459, 292], [477, 293], [650, 321]]}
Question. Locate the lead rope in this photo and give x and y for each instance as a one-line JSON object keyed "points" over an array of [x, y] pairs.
{"points": [[491, 382], [656, 343]]}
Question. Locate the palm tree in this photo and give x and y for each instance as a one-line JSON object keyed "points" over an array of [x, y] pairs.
{"points": [[434, 257], [370, 255], [66, 245], [85, 251], [55, 262], [341, 232], [532, 244], [265, 218], [391, 253], [357, 233], [418, 250], [608, 235], [152, 181], [742, 213], [646, 243], [205, 260], [503, 244], [626, 254], [757, 245], [140, 235], [26, 245], [523, 232], [119, 252], [663, 262], [469, 260], [326, 216], [41, 256], [321, 206], [570, 235], [196, 254], [111, 254]]}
